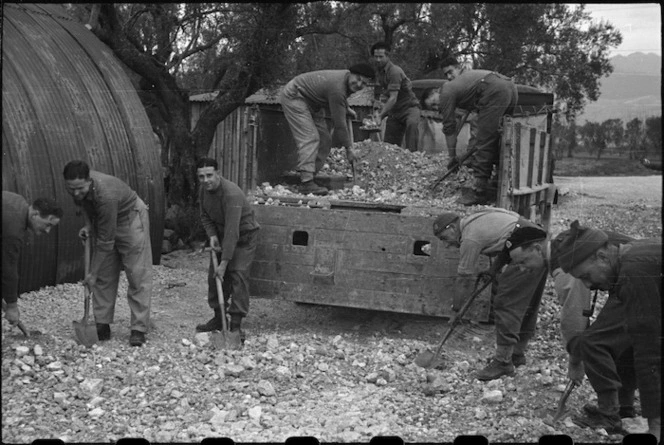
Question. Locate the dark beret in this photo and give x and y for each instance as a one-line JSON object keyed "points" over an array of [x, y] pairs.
{"points": [[524, 235], [443, 220], [363, 69], [573, 246]]}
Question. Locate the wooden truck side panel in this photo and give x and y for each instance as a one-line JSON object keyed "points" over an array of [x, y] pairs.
{"points": [[354, 258]]}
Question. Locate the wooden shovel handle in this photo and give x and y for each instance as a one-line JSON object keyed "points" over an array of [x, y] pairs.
{"points": [[220, 291], [86, 288]]}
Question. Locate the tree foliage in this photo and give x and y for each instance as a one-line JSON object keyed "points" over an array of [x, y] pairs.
{"points": [[177, 49]]}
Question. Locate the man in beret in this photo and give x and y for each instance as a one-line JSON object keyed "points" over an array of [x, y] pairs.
{"points": [[400, 105], [503, 236], [633, 272], [604, 345], [304, 100]]}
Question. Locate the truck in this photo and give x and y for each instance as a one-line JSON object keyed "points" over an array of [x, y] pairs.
{"points": [[377, 256]]}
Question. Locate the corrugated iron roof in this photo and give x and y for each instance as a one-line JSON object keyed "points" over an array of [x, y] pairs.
{"points": [[66, 97]]}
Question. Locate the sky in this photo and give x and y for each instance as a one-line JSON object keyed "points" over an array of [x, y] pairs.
{"points": [[639, 23]]}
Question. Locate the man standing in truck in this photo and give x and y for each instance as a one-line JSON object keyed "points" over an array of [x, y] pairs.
{"points": [[498, 233], [303, 101], [400, 105], [492, 95], [451, 70]]}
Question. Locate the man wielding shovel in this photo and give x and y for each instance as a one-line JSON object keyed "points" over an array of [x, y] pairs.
{"points": [[503, 235], [229, 222], [117, 221]]}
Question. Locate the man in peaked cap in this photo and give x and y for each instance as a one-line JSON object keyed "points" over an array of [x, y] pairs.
{"points": [[499, 234], [303, 101], [633, 271]]}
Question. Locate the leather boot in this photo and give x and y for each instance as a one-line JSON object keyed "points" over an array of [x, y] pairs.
{"points": [[499, 365], [476, 196], [214, 324], [604, 415]]}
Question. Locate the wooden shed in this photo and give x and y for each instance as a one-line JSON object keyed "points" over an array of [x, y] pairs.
{"points": [[254, 144], [65, 97]]}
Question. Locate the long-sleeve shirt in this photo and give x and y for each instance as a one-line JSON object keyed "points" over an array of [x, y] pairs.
{"points": [[328, 88], [226, 214], [392, 78], [109, 201], [484, 233], [461, 93], [14, 230]]}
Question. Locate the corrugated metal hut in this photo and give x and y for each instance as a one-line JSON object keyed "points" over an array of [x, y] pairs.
{"points": [[64, 97]]}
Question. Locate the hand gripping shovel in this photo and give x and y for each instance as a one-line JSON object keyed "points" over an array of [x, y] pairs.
{"points": [[223, 339], [427, 359], [86, 333], [20, 324]]}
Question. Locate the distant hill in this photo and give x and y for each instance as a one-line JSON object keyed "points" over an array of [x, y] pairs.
{"points": [[632, 90]]}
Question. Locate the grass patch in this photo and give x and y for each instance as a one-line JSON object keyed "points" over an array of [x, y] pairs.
{"points": [[590, 166]]}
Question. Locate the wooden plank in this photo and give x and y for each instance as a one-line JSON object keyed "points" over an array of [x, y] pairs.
{"points": [[532, 156], [356, 221], [535, 172], [545, 163]]}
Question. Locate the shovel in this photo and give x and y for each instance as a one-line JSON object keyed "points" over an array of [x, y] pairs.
{"points": [[223, 339], [86, 333], [428, 359], [561, 411]]}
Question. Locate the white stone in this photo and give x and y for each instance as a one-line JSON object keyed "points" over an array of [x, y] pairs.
{"points": [[272, 342], [283, 371], [92, 387], [323, 367], [381, 382], [233, 370], [54, 365], [247, 362], [38, 350], [372, 377], [59, 396], [186, 342], [95, 401], [493, 396], [255, 412], [202, 339], [96, 412], [22, 350], [265, 388]]}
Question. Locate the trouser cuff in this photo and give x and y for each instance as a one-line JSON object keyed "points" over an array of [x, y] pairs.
{"points": [[504, 353]]}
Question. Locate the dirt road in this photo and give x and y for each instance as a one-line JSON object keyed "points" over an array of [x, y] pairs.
{"points": [[614, 189]]}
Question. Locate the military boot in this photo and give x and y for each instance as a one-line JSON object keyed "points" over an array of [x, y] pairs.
{"points": [[214, 324], [603, 415], [499, 365], [477, 195]]}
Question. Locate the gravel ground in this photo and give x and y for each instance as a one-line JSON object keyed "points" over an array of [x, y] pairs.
{"points": [[338, 374]]}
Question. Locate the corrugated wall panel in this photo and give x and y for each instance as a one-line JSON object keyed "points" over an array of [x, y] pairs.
{"points": [[66, 97]]}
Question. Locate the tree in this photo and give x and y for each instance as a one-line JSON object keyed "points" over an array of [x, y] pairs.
{"points": [[594, 139], [241, 46], [634, 137], [613, 132], [653, 136]]}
